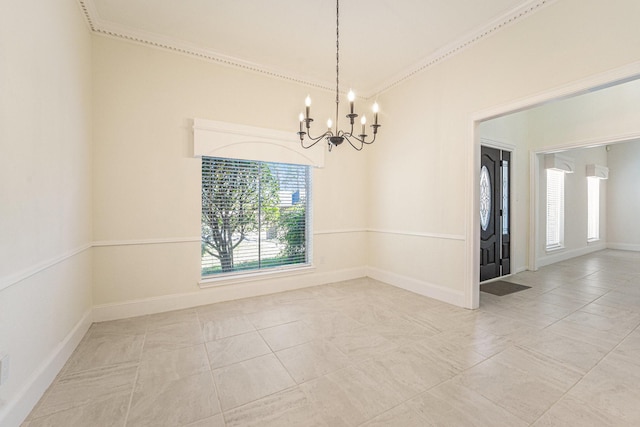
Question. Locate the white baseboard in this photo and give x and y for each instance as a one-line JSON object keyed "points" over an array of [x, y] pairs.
{"points": [[563, 255], [624, 246], [417, 286], [520, 269], [215, 294], [20, 405]]}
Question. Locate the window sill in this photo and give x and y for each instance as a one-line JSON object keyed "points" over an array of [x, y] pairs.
{"points": [[235, 278], [554, 248], [593, 240]]}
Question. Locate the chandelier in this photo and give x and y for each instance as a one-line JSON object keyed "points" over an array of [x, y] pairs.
{"points": [[334, 136]]}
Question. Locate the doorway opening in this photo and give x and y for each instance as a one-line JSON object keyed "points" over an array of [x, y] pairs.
{"points": [[621, 126]]}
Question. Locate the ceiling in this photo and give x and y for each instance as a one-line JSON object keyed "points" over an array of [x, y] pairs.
{"points": [[381, 41]]}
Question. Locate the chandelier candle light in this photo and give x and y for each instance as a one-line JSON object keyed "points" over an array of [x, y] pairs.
{"points": [[334, 136]]}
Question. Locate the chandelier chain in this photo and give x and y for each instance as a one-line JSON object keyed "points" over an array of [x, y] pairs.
{"points": [[337, 59]]}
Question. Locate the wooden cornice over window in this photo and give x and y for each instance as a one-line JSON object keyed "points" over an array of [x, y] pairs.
{"points": [[234, 141]]}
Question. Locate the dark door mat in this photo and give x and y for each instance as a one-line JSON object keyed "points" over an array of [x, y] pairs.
{"points": [[501, 288]]}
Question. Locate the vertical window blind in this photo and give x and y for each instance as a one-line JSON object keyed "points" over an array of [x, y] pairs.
{"points": [[254, 215], [593, 209], [555, 208]]}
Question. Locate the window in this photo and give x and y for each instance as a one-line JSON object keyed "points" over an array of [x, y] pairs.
{"points": [[593, 209], [254, 215], [555, 209]]}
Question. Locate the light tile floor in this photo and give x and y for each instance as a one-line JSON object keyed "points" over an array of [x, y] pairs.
{"points": [[564, 353]]}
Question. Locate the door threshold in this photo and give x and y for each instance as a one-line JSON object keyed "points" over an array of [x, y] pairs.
{"points": [[495, 279]]}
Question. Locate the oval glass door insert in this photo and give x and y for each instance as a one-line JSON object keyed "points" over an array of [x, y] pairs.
{"points": [[485, 198]]}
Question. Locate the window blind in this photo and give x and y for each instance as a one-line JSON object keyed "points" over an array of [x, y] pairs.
{"points": [[254, 215], [555, 208], [593, 209]]}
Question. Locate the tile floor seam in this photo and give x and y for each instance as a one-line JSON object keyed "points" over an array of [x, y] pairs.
{"points": [[267, 342], [376, 415], [557, 402], [294, 384], [229, 336], [215, 387], [475, 391], [106, 365], [499, 403], [241, 361], [42, 399], [617, 307], [285, 368], [135, 382], [56, 381], [213, 381], [579, 308], [390, 410], [584, 375], [275, 326], [595, 301], [31, 418], [569, 314], [564, 364], [233, 408]]}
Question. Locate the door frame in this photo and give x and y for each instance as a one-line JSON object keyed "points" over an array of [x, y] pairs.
{"points": [[602, 80], [503, 146]]}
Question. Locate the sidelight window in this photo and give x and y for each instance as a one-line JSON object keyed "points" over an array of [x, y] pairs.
{"points": [[555, 209], [593, 209]]}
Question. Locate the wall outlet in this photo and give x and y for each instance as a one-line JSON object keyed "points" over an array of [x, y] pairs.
{"points": [[4, 368]]}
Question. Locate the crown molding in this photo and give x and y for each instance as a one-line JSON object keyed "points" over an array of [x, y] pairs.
{"points": [[471, 38], [97, 26], [108, 29], [90, 13]]}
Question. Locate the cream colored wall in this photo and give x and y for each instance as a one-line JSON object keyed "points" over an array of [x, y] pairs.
{"points": [[594, 117], [623, 186], [147, 182], [421, 172], [45, 188]]}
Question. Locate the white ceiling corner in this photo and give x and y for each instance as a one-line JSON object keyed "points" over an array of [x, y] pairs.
{"points": [[382, 42]]}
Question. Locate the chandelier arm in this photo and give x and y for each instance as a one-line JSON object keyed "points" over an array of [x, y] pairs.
{"points": [[310, 145], [361, 140], [347, 137], [327, 134], [314, 140], [351, 135]]}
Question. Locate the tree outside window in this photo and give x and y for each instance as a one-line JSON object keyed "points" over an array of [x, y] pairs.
{"points": [[253, 215]]}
